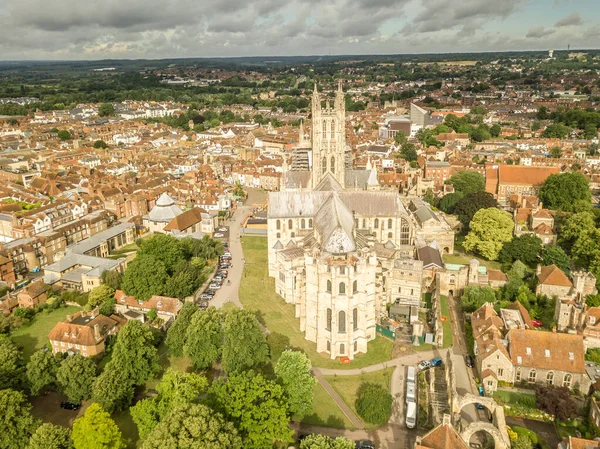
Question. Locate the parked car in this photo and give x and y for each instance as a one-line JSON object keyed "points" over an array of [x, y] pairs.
{"points": [[206, 297], [364, 444], [203, 305], [222, 266], [69, 405], [227, 254], [537, 323], [435, 362], [223, 273], [481, 393], [214, 286], [210, 293], [424, 365], [469, 361]]}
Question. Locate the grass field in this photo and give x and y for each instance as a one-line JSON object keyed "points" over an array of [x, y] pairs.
{"points": [[464, 260], [34, 335], [512, 397], [447, 325], [325, 412], [257, 291], [347, 386]]}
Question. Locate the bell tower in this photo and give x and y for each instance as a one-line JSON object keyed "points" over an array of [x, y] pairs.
{"points": [[328, 138]]}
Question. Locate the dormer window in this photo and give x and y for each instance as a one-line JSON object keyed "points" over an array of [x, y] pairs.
{"points": [[592, 320], [519, 360], [528, 351]]}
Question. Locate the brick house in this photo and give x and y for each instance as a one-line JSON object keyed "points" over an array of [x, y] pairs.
{"points": [[166, 308], [34, 294], [504, 180], [7, 271], [84, 333]]}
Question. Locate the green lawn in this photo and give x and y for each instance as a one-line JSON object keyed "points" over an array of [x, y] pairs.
{"points": [[128, 428], [34, 335], [448, 338], [464, 260], [512, 397], [347, 386], [257, 291], [325, 412]]}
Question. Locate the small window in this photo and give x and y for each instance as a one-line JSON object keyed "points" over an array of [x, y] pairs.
{"points": [[547, 352], [342, 349], [355, 319], [528, 351], [329, 346], [550, 377], [532, 376], [293, 234], [567, 380], [328, 324], [571, 356], [328, 286], [290, 224], [390, 235], [364, 223], [342, 321], [355, 287], [310, 222], [518, 376], [519, 360], [376, 224], [355, 346], [389, 223], [278, 224], [279, 235], [342, 288], [302, 223]]}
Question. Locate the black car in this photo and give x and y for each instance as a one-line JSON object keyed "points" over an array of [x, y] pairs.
{"points": [[469, 361], [203, 305], [69, 405], [365, 444]]}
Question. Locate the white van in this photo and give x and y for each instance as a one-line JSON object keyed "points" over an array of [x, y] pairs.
{"points": [[411, 415], [411, 374], [411, 392]]}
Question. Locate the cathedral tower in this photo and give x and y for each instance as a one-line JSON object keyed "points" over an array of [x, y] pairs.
{"points": [[328, 138]]}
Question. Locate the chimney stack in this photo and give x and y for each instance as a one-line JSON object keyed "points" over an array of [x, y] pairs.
{"points": [[97, 331]]}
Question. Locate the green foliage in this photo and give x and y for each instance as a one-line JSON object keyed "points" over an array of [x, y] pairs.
{"points": [[470, 204], [316, 441], [204, 338], [108, 307], [475, 296], [555, 152], [41, 371], [152, 314], [556, 131], [106, 110], [374, 403], [449, 202], [495, 130], [100, 144], [96, 430], [565, 191], [467, 181], [593, 355], [16, 421], [99, 295], [164, 248], [12, 366], [193, 426], [64, 135], [113, 390], [556, 401], [277, 344], [112, 279], [50, 436], [75, 376], [145, 276], [176, 333], [256, 406], [490, 229], [134, 354], [524, 248], [293, 370], [244, 346], [592, 300], [555, 255]]}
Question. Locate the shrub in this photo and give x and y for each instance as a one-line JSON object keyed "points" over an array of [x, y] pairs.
{"points": [[374, 403]]}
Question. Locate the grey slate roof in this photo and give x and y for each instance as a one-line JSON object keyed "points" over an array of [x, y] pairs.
{"points": [[95, 240]]}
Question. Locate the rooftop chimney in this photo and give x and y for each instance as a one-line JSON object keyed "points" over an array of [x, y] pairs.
{"points": [[97, 331]]}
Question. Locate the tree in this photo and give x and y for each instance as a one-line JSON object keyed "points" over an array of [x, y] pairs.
{"points": [[564, 191], [555, 152], [193, 426], [145, 276], [468, 206], [113, 390], [590, 131], [449, 202], [164, 248], [41, 371], [556, 131], [475, 296], [96, 430], [100, 145], [374, 403], [112, 278], [108, 307], [175, 388], [204, 338], [495, 130], [64, 135], [467, 181], [176, 333], [99, 295], [293, 369], [316, 441], [490, 229], [244, 345], [106, 110], [556, 401], [555, 255], [277, 344], [16, 421], [256, 406], [50, 436], [521, 442], [524, 247], [134, 353], [75, 377], [12, 367]]}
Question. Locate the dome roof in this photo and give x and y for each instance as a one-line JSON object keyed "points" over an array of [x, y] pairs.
{"points": [[165, 209]]}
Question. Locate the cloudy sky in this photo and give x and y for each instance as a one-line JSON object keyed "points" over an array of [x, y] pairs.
{"points": [[92, 29]]}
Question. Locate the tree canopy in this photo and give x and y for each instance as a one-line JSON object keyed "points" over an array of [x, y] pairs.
{"points": [[204, 338], [524, 247], [96, 430], [316, 441], [555, 400], [106, 110], [293, 370], [50, 436], [467, 181], [75, 377], [145, 276], [490, 230], [555, 255], [466, 208], [565, 191], [474, 296], [113, 390], [176, 334], [12, 367], [41, 371], [244, 345], [449, 202], [16, 421], [374, 403]]}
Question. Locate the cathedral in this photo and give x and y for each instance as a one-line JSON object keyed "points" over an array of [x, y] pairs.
{"points": [[340, 248]]}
